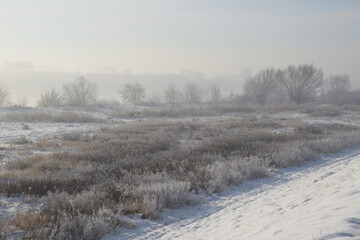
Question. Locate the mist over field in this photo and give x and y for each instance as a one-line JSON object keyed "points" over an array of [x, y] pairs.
{"points": [[30, 84], [179, 119]]}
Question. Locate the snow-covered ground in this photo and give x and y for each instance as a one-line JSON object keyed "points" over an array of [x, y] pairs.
{"points": [[318, 201], [11, 131]]}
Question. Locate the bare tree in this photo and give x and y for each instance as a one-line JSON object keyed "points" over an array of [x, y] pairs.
{"points": [[133, 93], [81, 92], [214, 93], [302, 82], [338, 83], [336, 88], [172, 94], [50, 98], [4, 95], [193, 93], [262, 85]]}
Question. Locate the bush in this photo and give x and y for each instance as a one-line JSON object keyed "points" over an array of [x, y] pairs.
{"points": [[81, 92], [166, 194], [87, 215], [233, 172], [50, 98]]}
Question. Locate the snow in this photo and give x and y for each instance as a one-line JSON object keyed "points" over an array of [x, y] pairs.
{"points": [[10, 206], [11, 131], [318, 201], [345, 119]]}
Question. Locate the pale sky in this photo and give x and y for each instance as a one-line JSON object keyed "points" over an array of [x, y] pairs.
{"points": [[43, 41], [215, 37]]}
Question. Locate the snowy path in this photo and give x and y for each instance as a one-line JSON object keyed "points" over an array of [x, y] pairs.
{"points": [[320, 200]]}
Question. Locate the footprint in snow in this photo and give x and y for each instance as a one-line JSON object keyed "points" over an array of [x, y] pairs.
{"points": [[324, 176]]}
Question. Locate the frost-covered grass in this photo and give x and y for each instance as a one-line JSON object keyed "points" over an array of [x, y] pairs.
{"points": [[91, 180], [41, 116], [318, 200]]}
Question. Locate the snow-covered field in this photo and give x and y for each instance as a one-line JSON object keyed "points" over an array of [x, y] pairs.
{"points": [[318, 201], [14, 131]]}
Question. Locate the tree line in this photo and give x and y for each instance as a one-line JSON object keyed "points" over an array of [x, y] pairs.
{"points": [[298, 84]]}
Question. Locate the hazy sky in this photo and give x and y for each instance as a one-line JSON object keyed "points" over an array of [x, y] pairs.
{"points": [[216, 37]]}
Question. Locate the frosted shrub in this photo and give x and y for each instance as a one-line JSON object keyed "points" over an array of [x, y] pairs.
{"points": [[83, 227], [334, 143], [223, 174], [98, 225], [166, 194], [292, 154], [233, 172], [253, 167], [86, 202], [84, 216], [296, 153], [152, 207]]}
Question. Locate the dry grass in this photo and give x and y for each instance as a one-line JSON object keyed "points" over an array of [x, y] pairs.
{"points": [[45, 144], [144, 167], [20, 141], [64, 117], [322, 111], [87, 215], [229, 109], [181, 111]]}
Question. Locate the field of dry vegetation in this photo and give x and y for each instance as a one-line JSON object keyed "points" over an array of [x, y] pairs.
{"points": [[87, 183]]}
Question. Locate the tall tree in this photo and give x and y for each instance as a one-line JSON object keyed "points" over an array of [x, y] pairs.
{"points": [[302, 82], [50, 98], [262, 85], [172, 94], [81, 92], [336, 88], [133, 93], [193, 93], [214, 93]]}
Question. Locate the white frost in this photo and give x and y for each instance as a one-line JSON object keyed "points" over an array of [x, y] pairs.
{"points": [[320, 200]]}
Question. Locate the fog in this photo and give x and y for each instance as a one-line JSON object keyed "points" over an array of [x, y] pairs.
{"points": [[25, 87], [45, 44], [28, 85]]}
